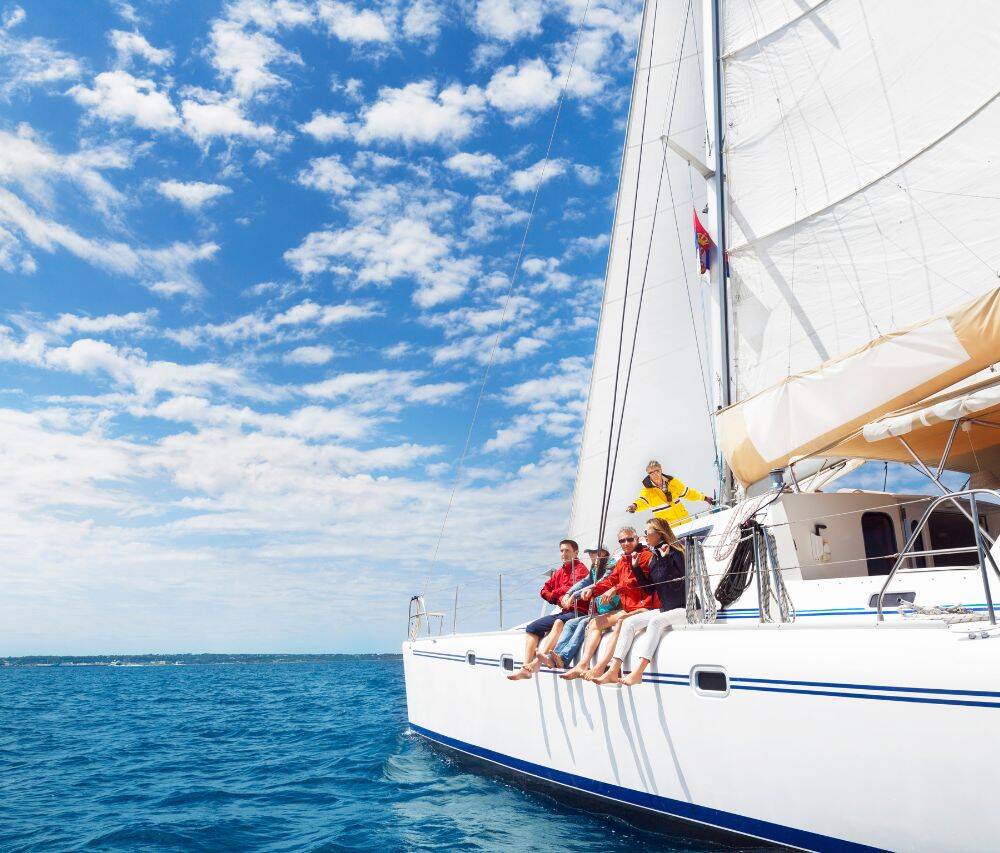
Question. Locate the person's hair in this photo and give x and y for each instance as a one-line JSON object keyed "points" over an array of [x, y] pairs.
{"points": [[571, 544], [662, 526], [631, 530], [653, 465]]}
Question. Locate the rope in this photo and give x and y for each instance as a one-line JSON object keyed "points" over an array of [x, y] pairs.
{"points": [[510, 289], [605, 494]]}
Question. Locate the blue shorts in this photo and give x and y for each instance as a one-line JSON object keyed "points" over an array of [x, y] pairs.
{"points": [[541, 627]]}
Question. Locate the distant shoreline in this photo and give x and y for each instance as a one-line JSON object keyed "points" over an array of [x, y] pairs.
{"points": [[183, 659]]}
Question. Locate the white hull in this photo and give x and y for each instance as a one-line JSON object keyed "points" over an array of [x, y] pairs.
{"points": [[835, 732]]}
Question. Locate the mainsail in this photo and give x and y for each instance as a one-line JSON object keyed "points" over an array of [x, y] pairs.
{"points": [[665, 414], [863, 193]]}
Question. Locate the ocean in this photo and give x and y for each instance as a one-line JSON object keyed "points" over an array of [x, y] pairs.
{"points": [[273, 753]]}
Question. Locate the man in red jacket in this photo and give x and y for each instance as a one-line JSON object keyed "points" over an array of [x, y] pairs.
{"points": [[627, 578], [553, 591]]}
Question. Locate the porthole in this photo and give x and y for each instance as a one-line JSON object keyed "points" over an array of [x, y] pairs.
{"points": [[710, 681], [470, 658], [506, 663]]}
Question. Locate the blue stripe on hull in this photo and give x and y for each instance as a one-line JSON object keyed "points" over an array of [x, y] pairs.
{"points": [[717, 818]]}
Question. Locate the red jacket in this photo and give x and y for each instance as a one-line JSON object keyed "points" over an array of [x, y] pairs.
{"points": [[562, 579], [622, 578]]}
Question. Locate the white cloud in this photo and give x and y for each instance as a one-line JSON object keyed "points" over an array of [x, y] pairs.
{"points": [[67, 324], [128, 45], [509, 20], [170, 267], [328, 174], [490, 214], [422, 20], [384, 389], [588, 245], [117, 96], [208, 116], [326, 126], [243, 58], [419, 113], [526, 180], [30, 62], [270, 15], [376, 254], [192, 195], [589, 175], [474, 165], [260, 326], [352, 25], [317, 354], [523, 91]]}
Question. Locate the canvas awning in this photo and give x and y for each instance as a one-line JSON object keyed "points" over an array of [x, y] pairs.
{"points": [[813, 412]]}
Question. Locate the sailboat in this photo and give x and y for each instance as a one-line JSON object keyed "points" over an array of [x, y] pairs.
{"points": [[841, 693]]}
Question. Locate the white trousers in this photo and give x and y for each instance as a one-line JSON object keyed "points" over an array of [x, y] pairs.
{"points": [[654, 623]]}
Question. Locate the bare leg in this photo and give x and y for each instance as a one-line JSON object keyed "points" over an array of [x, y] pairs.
{"points": [[615, 619], [594, 631], [635, 676], [549, 643], [530, 647]]}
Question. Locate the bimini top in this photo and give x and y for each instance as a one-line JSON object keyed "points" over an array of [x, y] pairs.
{"points": [[927, 427], [883, 385]]}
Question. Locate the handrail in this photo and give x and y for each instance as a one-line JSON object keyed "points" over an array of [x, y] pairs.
{"points": [[983, 554]]}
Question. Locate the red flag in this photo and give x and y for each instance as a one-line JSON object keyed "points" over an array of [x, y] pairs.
{"points": [[703, 243]]}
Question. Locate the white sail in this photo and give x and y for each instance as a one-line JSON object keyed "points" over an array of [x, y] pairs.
{"points": [[863, 184], [666, 413]]}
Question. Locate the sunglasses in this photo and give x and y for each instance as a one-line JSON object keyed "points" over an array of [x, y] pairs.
{"points": [[626, 539]]}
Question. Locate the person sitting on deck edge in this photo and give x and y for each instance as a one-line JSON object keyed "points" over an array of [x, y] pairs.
{"points": [[628, 579], [571, 571], [662, 494], [565, 639]]}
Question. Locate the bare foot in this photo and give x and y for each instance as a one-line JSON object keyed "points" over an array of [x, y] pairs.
{"points": [[610, 677], [631, 679], [593, 674], [557, 662], [533, 665], [520, 675], [569, 675], [544, 658]]}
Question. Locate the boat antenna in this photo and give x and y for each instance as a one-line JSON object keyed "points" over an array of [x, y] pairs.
{"points": [[510, 290]]}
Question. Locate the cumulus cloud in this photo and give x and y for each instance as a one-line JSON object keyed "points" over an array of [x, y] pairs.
{"points": [[509, 20], [474, 165], [117, 96], [193, 195], [491, 214], [328, 174], [129, 45], [30, 62], [422, 20], [243, 58], [316, 354], [208, 116], [353, 25], [373, 253], [526, 180], [326, 126], [524, 90], [67, 324], [382, 389], [418, 112]]}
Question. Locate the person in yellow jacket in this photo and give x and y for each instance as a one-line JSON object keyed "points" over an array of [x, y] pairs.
{"points": [[663, 493]]}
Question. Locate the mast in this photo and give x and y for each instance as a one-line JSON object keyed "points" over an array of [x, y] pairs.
{"points": [[717, 194]]}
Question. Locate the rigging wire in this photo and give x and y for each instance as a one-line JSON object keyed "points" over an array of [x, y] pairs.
{"points": [[510, 286], [605, 496]]}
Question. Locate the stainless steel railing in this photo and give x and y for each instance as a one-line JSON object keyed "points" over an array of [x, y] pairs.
{"points": [[982, 552]]}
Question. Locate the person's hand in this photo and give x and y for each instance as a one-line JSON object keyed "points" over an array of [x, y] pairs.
{"points": [[631, 508], [566, 602], [608, 596], [587, 594]]}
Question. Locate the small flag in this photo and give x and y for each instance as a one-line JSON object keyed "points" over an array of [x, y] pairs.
{"points": [[703, 243]]}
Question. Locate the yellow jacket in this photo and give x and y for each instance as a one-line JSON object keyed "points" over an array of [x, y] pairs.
{"points": [[674, 512]]}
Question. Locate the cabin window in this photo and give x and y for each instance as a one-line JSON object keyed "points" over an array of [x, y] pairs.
{"points": [[880, 542], [953, 530], [470, 658], [710, 681], [892, 599], [506, 663]]}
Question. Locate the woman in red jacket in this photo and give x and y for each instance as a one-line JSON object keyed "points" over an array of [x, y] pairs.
{"points": [[627, 579]]}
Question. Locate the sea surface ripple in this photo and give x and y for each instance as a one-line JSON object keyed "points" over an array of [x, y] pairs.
{"points": [[264, 755]]}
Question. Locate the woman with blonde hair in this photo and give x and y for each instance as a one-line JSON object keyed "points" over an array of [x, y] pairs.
{"points": [[665, 574]]}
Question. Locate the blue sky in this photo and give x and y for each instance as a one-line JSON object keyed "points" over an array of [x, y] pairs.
{"points": [[252, 257]]}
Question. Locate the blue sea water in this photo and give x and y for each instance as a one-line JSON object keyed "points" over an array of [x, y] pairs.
{"points": [[255, 754]]}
